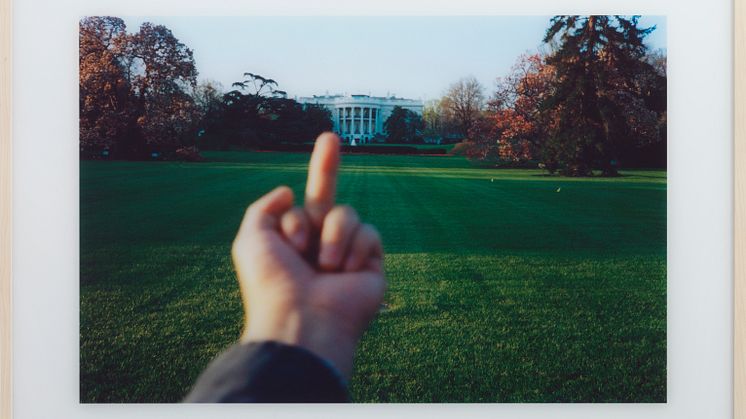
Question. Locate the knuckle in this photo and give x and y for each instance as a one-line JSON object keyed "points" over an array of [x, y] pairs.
{"points": [[291, 222], [340, 224], [345, 212], [300, 216], [295, 226], [294, 222]]}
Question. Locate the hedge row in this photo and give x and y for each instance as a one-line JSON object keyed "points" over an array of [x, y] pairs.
{"points": [[370, 149]]}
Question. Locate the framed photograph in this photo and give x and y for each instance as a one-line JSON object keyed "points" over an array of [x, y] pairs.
{"points": [[557, 188], [490, 277]]}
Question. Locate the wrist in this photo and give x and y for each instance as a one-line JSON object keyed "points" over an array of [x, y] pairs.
{"points": [[319, 337], [329, 345]]}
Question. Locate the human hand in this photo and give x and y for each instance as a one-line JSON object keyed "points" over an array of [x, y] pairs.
{"points": [[312, 276]]}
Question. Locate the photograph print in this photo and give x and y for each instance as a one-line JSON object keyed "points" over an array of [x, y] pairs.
{"points": [[513, 167]]}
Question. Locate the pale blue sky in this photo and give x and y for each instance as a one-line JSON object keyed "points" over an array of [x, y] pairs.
{"points": [[414, 57]]}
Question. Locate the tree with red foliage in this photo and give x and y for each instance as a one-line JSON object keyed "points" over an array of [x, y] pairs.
{"points": [[105, 99], [596, 102], [135, 89], [163, 74], [514, 125]]}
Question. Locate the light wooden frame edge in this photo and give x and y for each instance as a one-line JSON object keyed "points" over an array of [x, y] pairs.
{"points": [[739, 210], [6, 204], [739, 233]]}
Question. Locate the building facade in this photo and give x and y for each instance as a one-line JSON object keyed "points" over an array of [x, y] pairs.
{"points": [[359, 118]]}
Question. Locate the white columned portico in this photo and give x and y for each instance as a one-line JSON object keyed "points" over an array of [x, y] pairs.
{"points": [[360, 130], [348, 120], [378, 108], [370, 120]]}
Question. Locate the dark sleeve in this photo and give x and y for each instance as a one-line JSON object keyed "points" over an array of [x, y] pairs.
{"points": [[268, 372]]}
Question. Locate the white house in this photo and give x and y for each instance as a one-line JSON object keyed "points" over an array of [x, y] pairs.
{"points": [[361, 117]]}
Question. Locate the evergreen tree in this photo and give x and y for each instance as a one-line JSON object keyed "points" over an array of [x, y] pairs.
{"points": [[600, 104]]}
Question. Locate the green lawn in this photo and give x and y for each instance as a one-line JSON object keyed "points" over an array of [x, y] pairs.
{"points": [[501, 288]]}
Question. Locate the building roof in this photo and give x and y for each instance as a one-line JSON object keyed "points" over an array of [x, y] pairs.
{"points": [[340, 98]]}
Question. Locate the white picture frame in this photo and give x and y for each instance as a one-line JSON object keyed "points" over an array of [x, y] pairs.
{"points": [[706, 207]]}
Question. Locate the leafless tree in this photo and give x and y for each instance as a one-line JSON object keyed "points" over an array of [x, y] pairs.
{"points": [[464, 101]]}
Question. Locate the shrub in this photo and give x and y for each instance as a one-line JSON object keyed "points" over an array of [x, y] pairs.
{"points": [[190, 153]]}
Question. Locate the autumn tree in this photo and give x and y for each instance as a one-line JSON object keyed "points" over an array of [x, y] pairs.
{"points": [[601, 104], [105, 96], [135, 89], [514, 126], [464, 101], [163, 74], [484, 139]]}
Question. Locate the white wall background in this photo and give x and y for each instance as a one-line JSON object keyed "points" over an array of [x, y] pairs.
{"points": [[46, 206]]}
